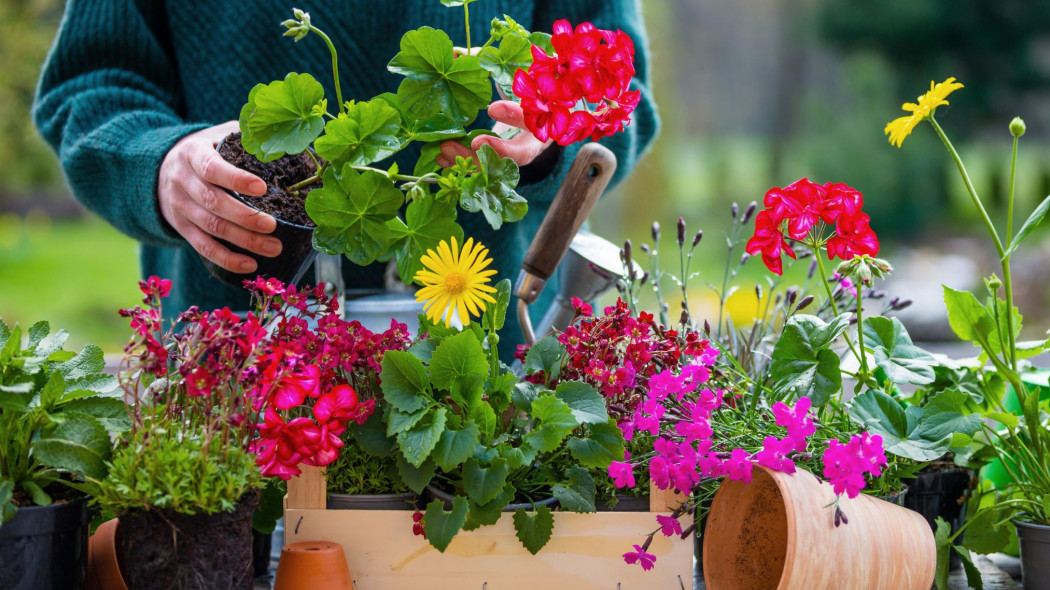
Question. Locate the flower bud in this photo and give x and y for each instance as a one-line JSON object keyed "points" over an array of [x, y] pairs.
{"points": [[744, 259], [735, 210], [656, 231], [749, 212], [812, 269], [684, 319], [1017, 127], [806, 301], [699, 236], [902, 304], [758, 291], [993, 283], [645, 248], [792, 295], [645, 278], [707, 327], [681, 231]]}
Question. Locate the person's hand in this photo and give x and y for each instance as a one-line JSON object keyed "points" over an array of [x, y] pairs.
{"points": [[523, 148], [193, 204]]}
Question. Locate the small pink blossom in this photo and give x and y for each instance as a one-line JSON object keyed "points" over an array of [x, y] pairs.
{"points": [[774, 454], [669, 525], [738, 467], [622, 474], [641, 557]]}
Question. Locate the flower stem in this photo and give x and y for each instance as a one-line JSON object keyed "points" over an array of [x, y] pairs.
{"points": [[466, 20], [864, 372], [824, 279], [335, 67], [1007, 280]]}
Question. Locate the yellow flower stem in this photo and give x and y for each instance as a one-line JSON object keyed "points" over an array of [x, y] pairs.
{"points": [[1007, 282]]}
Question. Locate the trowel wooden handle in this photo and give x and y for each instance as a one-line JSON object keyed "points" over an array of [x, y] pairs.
{"points": [[586, 180]]}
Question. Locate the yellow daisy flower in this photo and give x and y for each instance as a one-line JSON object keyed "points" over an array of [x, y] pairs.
{"points": [[901, 127], [455, 281]]}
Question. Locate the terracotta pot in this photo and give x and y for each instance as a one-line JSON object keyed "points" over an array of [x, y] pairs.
{"points": [[778, 533], [103, 562], [313, 565]]}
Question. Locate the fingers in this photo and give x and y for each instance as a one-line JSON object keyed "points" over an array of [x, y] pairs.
{"points": [[452, 149], [507, 112], [209, 165]]}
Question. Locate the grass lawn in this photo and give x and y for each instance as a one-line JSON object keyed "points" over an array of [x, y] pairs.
{"points": [[74, 273]]}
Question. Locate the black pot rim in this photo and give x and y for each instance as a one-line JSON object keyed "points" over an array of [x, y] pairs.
{"points": [[447, 498], [45, 520]]}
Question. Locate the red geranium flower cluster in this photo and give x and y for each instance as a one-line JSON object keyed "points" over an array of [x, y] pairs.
{"points": [[282, 378], [793, 211], [619, 353], [589, 64]]}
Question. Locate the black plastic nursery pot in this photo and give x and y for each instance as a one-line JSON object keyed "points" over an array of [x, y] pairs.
{"points": [[447, 498], [1035, 555], [296, 255], [45, 547], [166, 550], [941, 493], [405, 501]]}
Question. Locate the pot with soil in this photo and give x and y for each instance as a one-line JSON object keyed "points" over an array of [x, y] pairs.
{"points": [[285, 204], [447, 498], [1035, 555], [778, 533], [941, 490], [165, 549], [45, 547], [405, 501]]}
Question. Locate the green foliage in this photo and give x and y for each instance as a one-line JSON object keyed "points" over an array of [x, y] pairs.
{"points": [[359, 472], [57, 410], [283, 117], [919, 433], [491, 189], [177, 471], [441, 525], [535, 529], [803, 364], [366, 133], [895, 354], [351, 211]]}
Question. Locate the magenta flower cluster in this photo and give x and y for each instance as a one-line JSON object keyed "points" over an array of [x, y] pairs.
{"points": [[846, 464]]}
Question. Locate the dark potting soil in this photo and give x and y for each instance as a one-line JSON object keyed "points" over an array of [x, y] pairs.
{"points": [[169, 551], [278, 176]]}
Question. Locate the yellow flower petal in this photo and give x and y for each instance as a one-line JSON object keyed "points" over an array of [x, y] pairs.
{"points": [[455, 281], [922, 109]]}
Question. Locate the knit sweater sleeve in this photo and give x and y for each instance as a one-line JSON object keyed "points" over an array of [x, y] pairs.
{"points": [[630, 144], [109, 104]]}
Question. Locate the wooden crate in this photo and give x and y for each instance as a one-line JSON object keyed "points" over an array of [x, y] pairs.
{"points": [[584, 553]]}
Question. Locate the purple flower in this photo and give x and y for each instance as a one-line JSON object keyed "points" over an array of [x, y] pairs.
{"points": [[622, 474], [774, 454], [669, 525], [641, 557]]}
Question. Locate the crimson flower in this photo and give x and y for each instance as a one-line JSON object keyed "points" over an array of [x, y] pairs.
{"points": [[769, 241], [853, 237]]}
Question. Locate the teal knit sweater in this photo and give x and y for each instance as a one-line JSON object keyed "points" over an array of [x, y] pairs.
{"points": [[126, 79]]}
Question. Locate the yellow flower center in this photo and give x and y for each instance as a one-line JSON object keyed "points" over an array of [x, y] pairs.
{"points": [[455, 283]]}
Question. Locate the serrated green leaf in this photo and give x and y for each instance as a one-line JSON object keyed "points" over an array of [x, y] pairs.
{"points": [[60, 356], [37, 333], [437, 128], [417, 442], [895, 353], [942, 417], [366, 133], [489, 513], [427, 222], [802, 362], [50, 393], [458, 356], [496, 314], [986, 534], [524, 393], [405, 381], [883, 415], [491, 190], [80, 444], [455, 446], [602, 445], [578, 495], [416, 478], [1031, 223], [436, 82], [485, 417], [969, 319], [441, 525], [109, 411], [351, 211], [399, 422], [518, 457], [483, 484], [88, 363], [545, 355], [534, 530], [282, 117], [586, 403], [556, 421], [513, 53], [11, 345], [372, 437], [92, 385]]}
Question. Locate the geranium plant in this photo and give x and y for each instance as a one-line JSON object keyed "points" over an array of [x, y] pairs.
{"points": [[572, 86], [993, 324], [57, 410]]}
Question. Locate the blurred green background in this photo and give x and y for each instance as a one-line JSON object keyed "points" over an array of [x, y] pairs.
{"points": [[752, 94]]}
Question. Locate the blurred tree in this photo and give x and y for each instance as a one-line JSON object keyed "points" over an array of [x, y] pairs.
{"points": [[26, 30], [1000, 49]]}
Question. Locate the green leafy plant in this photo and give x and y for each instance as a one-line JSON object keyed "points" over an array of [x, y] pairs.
{"points": [[357, 208], [992, 323], [57, 410], [461, 421]]}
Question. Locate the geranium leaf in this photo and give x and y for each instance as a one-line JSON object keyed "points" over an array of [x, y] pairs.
{"points": [[556, 422], [79, 444], [441, 525], [405, 381], [883, 415], [351, 211], [436, 128], [578, 496], [417, 442], [1031, 223], [602, 445], [416, 478], [534, 530], [455, 446], [282, 117], [436, 82], [427, 222], [895, 353], [587, 405], [973, 575], [514, 53], [518, 457], [987, 534], [367, 133], [941, 416], [491, 189], [457, 356], [483, 484], [802, 363]]}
